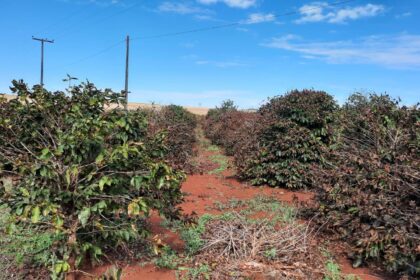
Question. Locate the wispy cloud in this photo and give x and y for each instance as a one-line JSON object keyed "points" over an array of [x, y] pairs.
{"points": [[102, 3], [393, 51], [242, 4], [220, 64], [404, 15], [322, 11], [259, 18], [181, 8]]}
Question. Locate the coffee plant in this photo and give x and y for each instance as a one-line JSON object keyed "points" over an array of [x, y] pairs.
{"points": [[179, 127], [223, 128], [370, 189], [284, 155], [292, 133], [82, 174]]}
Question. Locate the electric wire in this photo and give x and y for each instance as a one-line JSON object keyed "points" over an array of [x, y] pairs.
{"points": [[196, 30], [226, 25]]}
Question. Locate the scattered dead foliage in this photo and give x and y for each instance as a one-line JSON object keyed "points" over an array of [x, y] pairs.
{"points": [[241, 247]]}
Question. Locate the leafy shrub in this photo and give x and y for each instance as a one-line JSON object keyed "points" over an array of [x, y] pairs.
{"points": [[179, 126], [291, 134], [370, 191], [283, 157], [311, 109], [226, 106], [224, 130], [82, 174]]}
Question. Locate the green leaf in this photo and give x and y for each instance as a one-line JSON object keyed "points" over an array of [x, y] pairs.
{"points": [[58, 267], [10, 229], [104, 181], [161, 182], [36, 212], [66, 267], [58, 222], [44, 171], [24, 192], [99, 159], [121, 122], [59, 151], [136, 182], [45, 154], [84, 216], [133, 209], [143, 205], [68, 177]]}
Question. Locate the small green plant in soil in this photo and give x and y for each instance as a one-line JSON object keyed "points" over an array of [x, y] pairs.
{"points": [[281, 212], [222, 161], [333, 270], [201, 271], [213, 148], [168, 258]]}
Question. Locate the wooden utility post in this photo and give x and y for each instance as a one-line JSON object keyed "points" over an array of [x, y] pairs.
{"points": [[42, 57], [127, 57]]}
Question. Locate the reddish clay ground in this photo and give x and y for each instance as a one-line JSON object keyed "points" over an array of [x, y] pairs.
{"points": [[202, 191]]}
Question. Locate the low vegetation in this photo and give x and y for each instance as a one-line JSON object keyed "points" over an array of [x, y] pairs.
{"points": [[178, 125], [260, 237], [361, 160], [78, 178], [369, 192]]}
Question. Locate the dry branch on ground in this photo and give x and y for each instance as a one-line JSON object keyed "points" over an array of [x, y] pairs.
{"points": [[241, 247]]}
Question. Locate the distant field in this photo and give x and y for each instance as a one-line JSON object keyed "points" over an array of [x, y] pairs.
{"points": [[134, 105]]}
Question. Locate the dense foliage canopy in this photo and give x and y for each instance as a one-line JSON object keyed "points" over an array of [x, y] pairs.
{"points": [[369, 192], [85, 175], [361, 160]]}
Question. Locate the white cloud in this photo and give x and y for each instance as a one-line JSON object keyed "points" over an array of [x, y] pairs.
{"points": [[393, 51], [259, 18], [242, 4], [321, 11], [181, 8]]}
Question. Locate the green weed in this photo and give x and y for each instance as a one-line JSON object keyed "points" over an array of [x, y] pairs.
{"points": [[281, 212], [222, 161], [200, 272], [168, 258], [333, 270], [192, 234], [212, 148]]}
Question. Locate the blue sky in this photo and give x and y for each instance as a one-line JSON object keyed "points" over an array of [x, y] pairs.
{"points": [[356, 46]]}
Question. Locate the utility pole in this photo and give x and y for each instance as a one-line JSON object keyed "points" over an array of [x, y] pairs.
{"points": [[42, 57], [127, 56]]}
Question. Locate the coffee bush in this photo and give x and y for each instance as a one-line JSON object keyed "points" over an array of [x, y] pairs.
{"points": [[85, 175], [292, 134], [369, 192]]}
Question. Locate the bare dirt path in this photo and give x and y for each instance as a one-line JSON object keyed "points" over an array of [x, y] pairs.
{"points": [[216, 184]]}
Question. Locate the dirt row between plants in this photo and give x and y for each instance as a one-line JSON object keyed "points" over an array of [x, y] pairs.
{"points": [[216, 184]]}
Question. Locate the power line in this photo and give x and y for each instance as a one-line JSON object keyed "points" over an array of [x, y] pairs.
{"points": [[188, 31], [209, 28], [220, 26], [63, 20], [66, 32], [97, 53]]}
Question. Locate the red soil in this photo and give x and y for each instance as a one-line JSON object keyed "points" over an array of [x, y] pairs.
{"points": [[202, 191]]}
